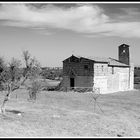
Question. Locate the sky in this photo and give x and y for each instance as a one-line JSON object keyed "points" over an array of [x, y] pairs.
{"points": [[53, 32]]}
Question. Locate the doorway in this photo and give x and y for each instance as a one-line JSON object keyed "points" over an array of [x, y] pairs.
{"points": [[72, 83]]}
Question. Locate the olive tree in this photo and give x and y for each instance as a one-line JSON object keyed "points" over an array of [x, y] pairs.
{"points": [[34, 69], [12, 77]]}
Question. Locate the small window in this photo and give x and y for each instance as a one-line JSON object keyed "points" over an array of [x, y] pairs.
{"points": [[86, 67], [102, 68], [112, 70]]}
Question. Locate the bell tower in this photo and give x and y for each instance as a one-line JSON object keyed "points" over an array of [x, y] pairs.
{"points": [[124, 54]]}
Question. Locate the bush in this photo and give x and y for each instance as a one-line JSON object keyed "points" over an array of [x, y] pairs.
{"points": [[51, 73], [2, 87], [34, 89]]}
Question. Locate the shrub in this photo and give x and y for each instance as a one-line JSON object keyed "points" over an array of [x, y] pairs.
{"points": [[34, 89]]}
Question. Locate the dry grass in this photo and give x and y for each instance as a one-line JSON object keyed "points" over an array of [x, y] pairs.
{"points": [[59, 114]]}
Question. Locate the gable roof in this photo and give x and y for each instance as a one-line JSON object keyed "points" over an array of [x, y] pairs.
{"points": [[110, 61], [114, 62], [124, 45]]}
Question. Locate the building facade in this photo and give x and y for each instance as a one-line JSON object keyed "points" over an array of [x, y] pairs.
{"points": [[107, 74]]}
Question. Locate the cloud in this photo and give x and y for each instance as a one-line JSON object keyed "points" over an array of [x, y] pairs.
{"points": [[88, 19], [131, 11], [127, 14]]}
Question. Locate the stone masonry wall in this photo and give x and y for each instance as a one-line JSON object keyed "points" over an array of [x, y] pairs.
{"points": [[80, 81], [112, 79]]}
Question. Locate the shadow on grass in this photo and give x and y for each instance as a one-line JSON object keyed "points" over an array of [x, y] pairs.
{"points": [[10, 117], [14, 111]]}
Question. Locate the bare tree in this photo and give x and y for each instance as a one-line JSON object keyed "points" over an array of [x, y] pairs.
{"points": [[10, 76], [34, 69], [32, 66], [13, 78], [2, 75]]}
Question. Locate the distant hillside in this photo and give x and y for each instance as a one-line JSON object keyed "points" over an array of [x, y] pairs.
{"points": [[51, 68], [53, 73]]}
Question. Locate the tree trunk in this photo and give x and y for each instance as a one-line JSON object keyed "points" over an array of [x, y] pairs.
{"points": [[6, 99]]}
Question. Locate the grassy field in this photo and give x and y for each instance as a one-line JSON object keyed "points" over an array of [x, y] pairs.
{"points": [[60, 114]]}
